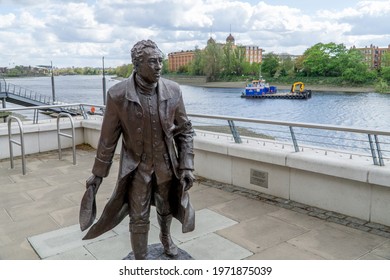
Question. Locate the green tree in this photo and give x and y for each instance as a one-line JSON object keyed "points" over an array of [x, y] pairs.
{"points": [[239, 60], [212, 61], [287, 66], [299, 66], [196, 67], [385, 62], [165, 67], [354, 70], [233, 60], [270, 64], [385, 73], [124, 71], [227, 60], [324, 60]]}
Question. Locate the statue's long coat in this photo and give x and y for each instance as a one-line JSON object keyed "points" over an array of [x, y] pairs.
{"points": [[123, 116]]}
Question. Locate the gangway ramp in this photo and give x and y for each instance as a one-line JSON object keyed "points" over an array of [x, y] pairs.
{"points": [[26, 97]]}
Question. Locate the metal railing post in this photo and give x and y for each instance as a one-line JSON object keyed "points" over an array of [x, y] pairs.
{"points": [[12, 141], [373, 153], [234, 131], [83, 113], [379, 151], [72, 136], [294, 139], [35, 118]]}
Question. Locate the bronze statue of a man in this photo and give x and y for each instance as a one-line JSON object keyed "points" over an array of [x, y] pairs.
{"points": [[156, 161]]}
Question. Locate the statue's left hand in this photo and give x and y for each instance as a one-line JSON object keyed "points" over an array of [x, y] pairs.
{"points": [[187, 179]]}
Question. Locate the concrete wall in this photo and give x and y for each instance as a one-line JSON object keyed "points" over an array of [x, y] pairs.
{"points": [[39, 137], [353, 187]]}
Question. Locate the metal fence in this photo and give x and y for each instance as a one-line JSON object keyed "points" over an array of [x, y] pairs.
{"points": [[25, 93], [351, 141]]}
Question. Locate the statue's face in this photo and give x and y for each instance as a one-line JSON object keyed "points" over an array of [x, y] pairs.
{"points": [[151, 65]]}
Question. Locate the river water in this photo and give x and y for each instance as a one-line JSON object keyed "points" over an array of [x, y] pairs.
{"points": [[367, 110], [361, 110]]}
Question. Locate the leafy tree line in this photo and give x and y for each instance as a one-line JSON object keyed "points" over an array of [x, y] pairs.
{"points": [[23, 71], [330, 62]]}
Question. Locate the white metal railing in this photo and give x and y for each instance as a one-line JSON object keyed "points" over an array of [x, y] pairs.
{"points": [[372, 143], [80, 109], [19, 143], [71, 136]]}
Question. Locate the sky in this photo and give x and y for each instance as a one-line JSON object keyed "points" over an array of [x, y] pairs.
{"points": [[79, 33]]}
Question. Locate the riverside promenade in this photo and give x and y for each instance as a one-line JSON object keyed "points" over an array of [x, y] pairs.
{"points": [[39, 220]]}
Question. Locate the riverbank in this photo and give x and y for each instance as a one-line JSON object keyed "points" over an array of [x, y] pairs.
{"points": [[314, 88], [201, 82]]}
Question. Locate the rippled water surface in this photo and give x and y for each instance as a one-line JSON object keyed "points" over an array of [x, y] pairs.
{"points": [[366, 110]]}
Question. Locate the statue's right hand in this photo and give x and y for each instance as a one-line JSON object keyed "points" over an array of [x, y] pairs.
{"points": [[95, 182]]}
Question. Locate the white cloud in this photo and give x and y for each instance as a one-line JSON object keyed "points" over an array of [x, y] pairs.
{"points": [[7, 20], [71, 31]]}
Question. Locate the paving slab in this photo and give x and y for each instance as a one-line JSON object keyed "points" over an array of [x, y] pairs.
{"points": [[336, 242], [15, 198], [18, 231], [285, 251], [206, 221], [261, 233], [214, 247], [20, 250], [298, 219], [45, 204], [79, 253], [4, 218], [210, 196], [56, 191], [114, 248], [34, 183], [37, 208], [59, 241], [67, 216], [234, 209], [116, 243], [382, 251]]}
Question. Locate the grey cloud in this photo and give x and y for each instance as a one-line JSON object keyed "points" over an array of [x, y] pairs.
{"points": [[369, 25]]}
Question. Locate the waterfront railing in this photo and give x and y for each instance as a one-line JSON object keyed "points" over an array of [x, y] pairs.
{"points": [[342, 140], [345, 141]]}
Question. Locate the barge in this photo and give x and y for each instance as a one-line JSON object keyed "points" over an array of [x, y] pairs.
{"points": [[261, 89]]}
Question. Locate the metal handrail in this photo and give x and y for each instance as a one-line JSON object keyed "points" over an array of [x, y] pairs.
{"points": [[374, 146], [59, 134], [12, 141], [373, 134], [43, 107], [295, 124]]}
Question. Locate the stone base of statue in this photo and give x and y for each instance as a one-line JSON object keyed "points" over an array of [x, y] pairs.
{"points": [[156, 252]]}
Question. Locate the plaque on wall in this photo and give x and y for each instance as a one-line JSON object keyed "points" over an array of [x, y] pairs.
{"points": [[259, 178]]}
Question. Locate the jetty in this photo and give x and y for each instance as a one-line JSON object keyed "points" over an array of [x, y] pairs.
{"points": [[28, 98]]}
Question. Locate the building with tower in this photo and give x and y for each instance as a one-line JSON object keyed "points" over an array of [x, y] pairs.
{"points": [[176, 60]]}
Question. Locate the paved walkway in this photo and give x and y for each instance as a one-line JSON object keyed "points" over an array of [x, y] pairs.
{"points": [[39, 220]]}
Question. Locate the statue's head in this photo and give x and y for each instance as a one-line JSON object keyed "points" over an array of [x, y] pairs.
{"points": [[147, 60]]}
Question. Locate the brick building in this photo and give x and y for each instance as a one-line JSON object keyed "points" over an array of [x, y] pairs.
{"points": [[179, 59], [253, 54], [183, 58], [373, 55]]}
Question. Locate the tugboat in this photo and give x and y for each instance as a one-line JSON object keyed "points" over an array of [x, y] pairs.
{"points": [[260, 89]]}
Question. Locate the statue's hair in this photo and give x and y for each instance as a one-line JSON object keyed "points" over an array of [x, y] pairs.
{"points": [[137, 51]]}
